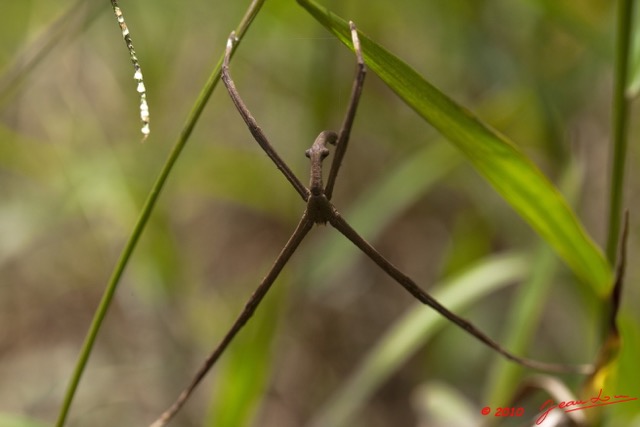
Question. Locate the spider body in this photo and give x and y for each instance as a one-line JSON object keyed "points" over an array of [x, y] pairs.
{"points": [[317, 153]]}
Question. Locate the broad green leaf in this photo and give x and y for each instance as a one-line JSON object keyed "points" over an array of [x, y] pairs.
{"points": [[496, 158]]}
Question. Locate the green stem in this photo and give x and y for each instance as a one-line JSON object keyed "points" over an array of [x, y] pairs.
{"points": [[620, 122], [141, 223]]}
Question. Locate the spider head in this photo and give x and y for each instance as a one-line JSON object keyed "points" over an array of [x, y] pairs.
{"points": [[317, 153], [319, 148]]}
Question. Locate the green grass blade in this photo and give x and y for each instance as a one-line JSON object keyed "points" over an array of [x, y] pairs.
{"points": [[141, 223], [414, 329], [620, 124], [242, 380], [498, 160]]}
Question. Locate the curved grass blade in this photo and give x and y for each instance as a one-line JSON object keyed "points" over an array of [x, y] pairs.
{"points": [[141, 223], [496, 158], [241, 382], [414, 329]]}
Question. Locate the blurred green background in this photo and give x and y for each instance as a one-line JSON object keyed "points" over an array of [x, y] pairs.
{"points": [[74, 176]]}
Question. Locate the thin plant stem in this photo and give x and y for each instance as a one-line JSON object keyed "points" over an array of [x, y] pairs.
{"points": [[141, 223], [620, 125]]}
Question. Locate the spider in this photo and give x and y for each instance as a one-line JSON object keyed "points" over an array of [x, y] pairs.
{"points": [[320, 210]]}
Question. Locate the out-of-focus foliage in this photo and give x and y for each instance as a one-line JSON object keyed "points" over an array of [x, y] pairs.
{"points": [[73, 177]]}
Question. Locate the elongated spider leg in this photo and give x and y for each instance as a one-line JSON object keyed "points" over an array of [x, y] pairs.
{"points": [[343, 227], [294, 241], [345, 131], [255, 130]]}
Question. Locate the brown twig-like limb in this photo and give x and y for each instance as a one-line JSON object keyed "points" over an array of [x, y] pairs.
{"points": [[406, 282], [298, 235], [255, 130], [356, 91], [616, 293], [320, 210]]}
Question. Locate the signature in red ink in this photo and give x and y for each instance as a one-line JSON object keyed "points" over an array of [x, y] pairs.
{"points": [[577, 405]]}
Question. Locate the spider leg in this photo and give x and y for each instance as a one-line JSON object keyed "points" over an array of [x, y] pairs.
{"points": [[356, 91], [406, 282], [250, 307], [255, 130]]}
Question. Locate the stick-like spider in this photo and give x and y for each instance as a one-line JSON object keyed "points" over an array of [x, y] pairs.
{"points": [[320, 210]]}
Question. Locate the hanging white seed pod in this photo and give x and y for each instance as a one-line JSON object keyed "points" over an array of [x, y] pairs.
{"points": [[137, 75]]}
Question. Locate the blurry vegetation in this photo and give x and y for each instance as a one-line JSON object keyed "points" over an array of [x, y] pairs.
{"points": [[73, 177]]}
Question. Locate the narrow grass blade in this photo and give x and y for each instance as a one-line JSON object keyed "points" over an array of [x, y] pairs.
{"points": [[620, 124], [497, 159], [241, 382]]}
